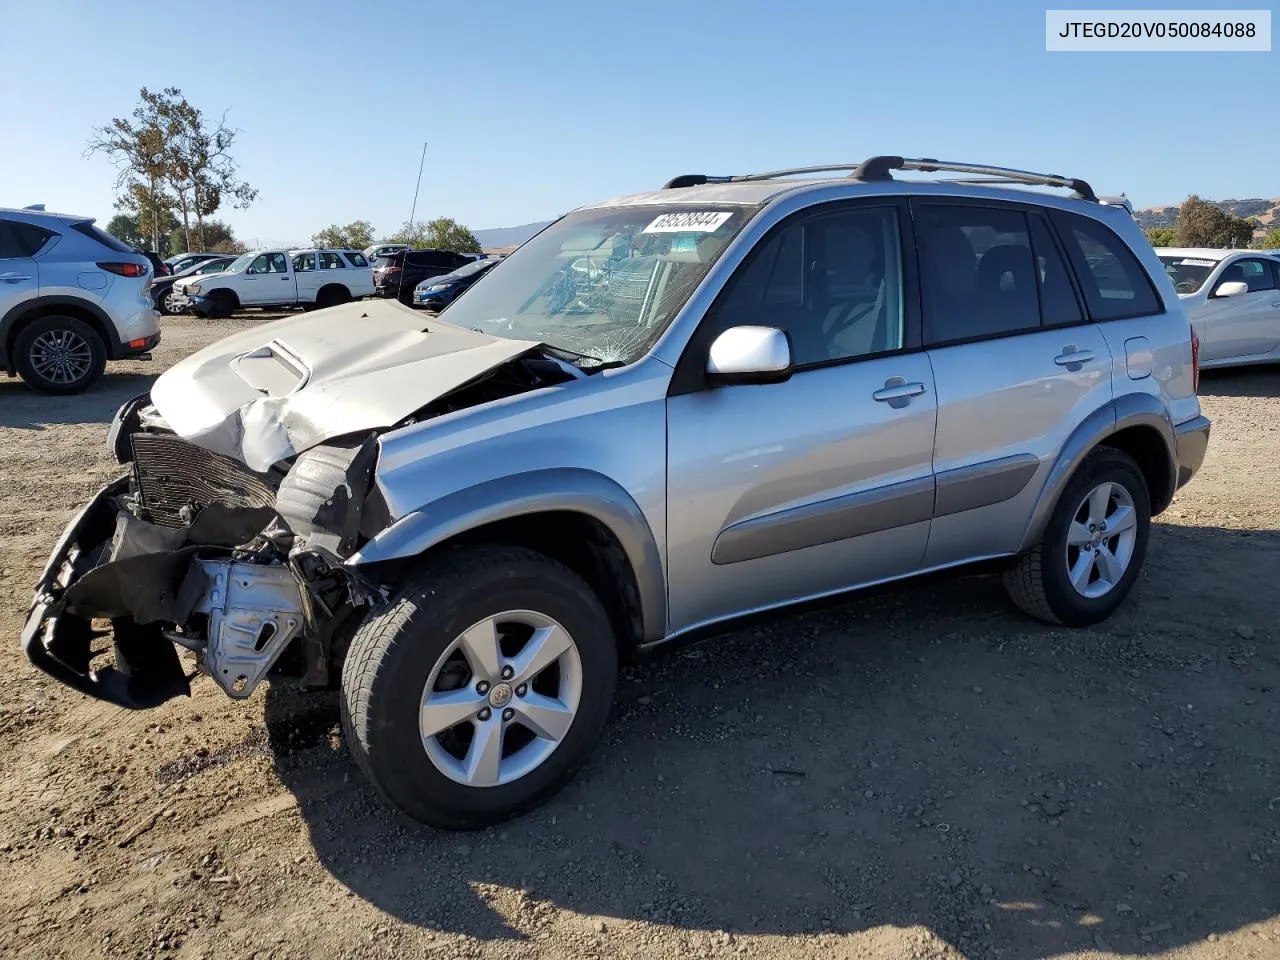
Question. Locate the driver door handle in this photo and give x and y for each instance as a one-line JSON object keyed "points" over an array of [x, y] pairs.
{"points": [[901, 390], [17, 278], [1074, 356]]}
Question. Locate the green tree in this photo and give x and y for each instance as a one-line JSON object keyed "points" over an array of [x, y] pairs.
{"points": [[125, 229], [356, 235], [1203, 224], [442, 233], [1272, 240], [1162, 236], [218, 238], [138, 147]]}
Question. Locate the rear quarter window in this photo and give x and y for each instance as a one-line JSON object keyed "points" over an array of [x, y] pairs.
{"points": [[1114, 283], [356, 259], [104, 238]]}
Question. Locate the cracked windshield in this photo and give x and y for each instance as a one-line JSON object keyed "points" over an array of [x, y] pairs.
{"points": [[602, 284]]}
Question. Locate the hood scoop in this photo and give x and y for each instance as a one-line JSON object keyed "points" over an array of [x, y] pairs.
{"points": [[273, 370]]}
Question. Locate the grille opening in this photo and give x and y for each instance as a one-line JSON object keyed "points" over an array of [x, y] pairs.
{"points": [[175, 480]]}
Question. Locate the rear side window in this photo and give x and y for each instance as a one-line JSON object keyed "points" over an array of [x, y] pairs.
{"points": [[1058, 304], [104, 238], [356, 259], [978, 275], [1114, 283], [19, 239], [331, 261], [304, 262]]}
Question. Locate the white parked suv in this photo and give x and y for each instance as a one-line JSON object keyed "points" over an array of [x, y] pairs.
{"points": [[72, 297], [280, 278], [1233, 300]]}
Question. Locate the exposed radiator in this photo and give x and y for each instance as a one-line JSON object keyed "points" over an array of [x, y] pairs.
{"points": [[172, 475]]}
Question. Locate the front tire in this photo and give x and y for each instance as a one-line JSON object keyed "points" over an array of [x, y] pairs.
{"points": [[168, 305], [478, 692], [1093, 545], [222, 304], [59, 355]]}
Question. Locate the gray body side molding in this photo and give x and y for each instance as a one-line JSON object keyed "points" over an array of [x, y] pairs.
{"points": [[1130, 410], [521, 494]]}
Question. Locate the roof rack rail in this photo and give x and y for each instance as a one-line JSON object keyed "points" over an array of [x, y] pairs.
{"points": [[881, 168]]}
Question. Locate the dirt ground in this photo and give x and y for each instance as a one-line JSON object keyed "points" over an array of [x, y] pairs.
{"points": [[920, 773]]}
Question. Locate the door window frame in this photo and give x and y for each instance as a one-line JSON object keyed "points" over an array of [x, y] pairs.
{"points": [[690, 373]]}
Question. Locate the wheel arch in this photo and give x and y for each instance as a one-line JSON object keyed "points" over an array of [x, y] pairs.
{"points": [[1136, 424], [581, 518], [31, 310]]}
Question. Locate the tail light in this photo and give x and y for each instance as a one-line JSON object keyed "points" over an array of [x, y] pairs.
{"points": [[392, 269], [1195, 361], [125, 269]]}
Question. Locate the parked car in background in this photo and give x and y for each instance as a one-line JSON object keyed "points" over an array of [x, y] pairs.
{"points": [[279, 278], [383, 250], [182, 261], [1233, 300], [395, 276], [159, 268], [830, 382], [170, 303], [72, 297], [436, 293]]}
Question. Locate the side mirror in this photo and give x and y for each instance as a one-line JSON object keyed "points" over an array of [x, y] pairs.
{"points": [[1232, 288], [750, 355]]}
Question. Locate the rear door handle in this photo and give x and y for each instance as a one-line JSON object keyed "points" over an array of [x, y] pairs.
{"points": [[1069, 357], [13, 277], [896, 388]]}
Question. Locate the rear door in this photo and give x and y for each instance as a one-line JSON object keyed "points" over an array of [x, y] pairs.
{"points": [[307, 276], [361, 274], [781, 491], [1016, 362], [19, 275], [1247, 324]]}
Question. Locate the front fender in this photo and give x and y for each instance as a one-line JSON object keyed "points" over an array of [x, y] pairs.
{"points": [[1129, 410], [539, 491]]}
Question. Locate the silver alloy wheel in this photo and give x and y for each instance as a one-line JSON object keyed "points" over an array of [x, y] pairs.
{"points": [[61, 356], [1100, 540], [171, 302], [501, 698]]}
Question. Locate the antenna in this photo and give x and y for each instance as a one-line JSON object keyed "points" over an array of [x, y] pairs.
{"points": [[413, 212]]}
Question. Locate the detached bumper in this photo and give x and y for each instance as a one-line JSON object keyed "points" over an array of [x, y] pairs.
{"points": [[1192, 439], [147, 671]]}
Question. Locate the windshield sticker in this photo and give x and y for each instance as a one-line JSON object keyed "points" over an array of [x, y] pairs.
{"points": [[705, 221], [1197, 263]]}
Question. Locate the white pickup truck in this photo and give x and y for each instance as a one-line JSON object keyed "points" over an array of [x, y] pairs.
{"points": [[279, 278]]}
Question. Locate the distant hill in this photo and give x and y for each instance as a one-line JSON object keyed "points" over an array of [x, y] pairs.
{"points": [[1266, 212], [508, 236]]}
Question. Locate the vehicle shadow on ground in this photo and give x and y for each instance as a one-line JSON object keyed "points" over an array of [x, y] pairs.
{"points": [[25, 409], [1259, 381], [924, 755]]}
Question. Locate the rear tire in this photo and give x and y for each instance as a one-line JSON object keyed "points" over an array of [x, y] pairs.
{"points": [[332, 296], [1064, 579], [412, 651], [59, 355]]}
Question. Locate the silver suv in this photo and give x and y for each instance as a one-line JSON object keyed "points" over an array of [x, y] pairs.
{"points": [[72, 297], [662, 414]]}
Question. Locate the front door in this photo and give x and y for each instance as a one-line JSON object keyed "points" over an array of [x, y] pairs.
{"points": [[789, 490], [1247, 324], [268, 280]]}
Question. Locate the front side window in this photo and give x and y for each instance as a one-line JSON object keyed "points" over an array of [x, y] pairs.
{"points": [[1115, 285], [1255, 273], [331, 261], [1188, 273], [304, 262], [978, 277], [270, 263], [832, 281], [602, 283]]}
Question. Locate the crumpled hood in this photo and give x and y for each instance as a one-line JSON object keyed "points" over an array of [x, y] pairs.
{"points": [[275, 390]]}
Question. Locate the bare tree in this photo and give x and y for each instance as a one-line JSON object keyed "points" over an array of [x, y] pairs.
{"points": [[138, 147]]}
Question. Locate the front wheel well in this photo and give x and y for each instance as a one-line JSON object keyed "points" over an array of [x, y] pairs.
{"points": [[1150, 451], [581, 542]]}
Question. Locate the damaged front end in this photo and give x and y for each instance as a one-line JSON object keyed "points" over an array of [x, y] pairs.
{"points": [[193, 550]]}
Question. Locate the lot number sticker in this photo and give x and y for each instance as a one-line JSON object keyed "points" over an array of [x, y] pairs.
{"points": [[695, 221]]}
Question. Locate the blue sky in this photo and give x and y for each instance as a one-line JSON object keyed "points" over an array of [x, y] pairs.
{"points": [[533, 108]]}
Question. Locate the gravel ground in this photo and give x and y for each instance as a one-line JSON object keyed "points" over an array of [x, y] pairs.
{"points": [[920, 773]]}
